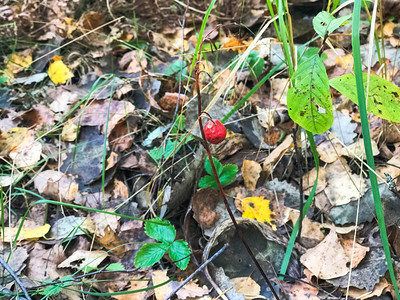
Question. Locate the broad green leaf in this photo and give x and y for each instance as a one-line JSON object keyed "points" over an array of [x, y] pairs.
{"points": [[115, 267], [208, 181], [304, 53], [3, 79], [149, 254], [217, 164], [324, 23], [309, 101], [228, 174], [383, 96], [180, 254], [161, 230]]}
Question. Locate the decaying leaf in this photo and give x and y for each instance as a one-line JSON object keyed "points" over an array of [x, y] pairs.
{"points": [[10, 233], [247, 287], [277, 153], [259, 209], [135, 285], [56, 185], [28, 152], [299, 291], [111, 241], [82, 259], [319, 259], [12, 138], [71, 226], [101, 221], [251, 172], [19, 61]]}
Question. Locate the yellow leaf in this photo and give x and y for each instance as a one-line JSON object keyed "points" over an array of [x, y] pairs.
{"points": [[259, 209], [58, 72], [19, 61], [11, 139], [26, 233]]}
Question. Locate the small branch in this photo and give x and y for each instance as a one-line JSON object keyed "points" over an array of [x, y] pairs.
{"points": [[16, 278], [221, 191], [197, 271]]}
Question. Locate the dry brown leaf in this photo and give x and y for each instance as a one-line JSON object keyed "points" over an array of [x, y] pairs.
{"points": [[382, 287], [169, 101], [358, 253], [299, 291], [357, 149], [38, 116], [97, 113], [343, 186], [111, 241], [101, 221], [330, 150], [12, 138], [189, 290], [247, 287], [251, 173], [277, 153], [27, 153], [132, 62], [135, 285], [82, 259], [204, 203], [56, 185], [328, 259], [279, 88], [70, 131]]}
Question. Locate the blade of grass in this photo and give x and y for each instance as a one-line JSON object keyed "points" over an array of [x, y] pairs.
{"points": [[367, 140]]}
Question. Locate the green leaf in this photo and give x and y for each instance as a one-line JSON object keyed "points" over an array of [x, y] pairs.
{"points": [[3, 79], [228, 174], [325, 23], [254, 63], [52, 290], [115, 267], [149, 254], [208, 181], [383, 96], [180, 254], [309, 100], [218, 166], [175, 67], [160, 230]]}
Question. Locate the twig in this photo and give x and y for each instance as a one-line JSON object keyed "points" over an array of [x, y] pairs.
{"points": [[197, 271], [221, 191], [16, 278]]}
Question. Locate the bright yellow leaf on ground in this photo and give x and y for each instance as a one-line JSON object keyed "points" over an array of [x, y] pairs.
{"points": [[26, 233], [260, 209], [58, 72]]}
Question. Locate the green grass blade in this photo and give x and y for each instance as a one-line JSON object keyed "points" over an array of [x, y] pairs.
{"points": [[367, 140], [282, 28], [306, 207]]}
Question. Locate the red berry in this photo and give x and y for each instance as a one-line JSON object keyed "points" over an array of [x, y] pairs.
{"points": [[215, 133]]}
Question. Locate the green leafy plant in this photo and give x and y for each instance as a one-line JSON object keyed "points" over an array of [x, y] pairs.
{"points": [[226, 174], [165, 233], [254, 63]]}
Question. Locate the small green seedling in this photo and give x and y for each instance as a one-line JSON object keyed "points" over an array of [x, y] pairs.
{"points": [[226, 174], [163, 231]]}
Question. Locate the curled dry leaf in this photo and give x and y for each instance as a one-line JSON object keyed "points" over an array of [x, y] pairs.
{"points": [[170, 100], [111, 241], [56, 185], [28, 152], [101, 221], [83, 259], [277, 153], [251, 173]]}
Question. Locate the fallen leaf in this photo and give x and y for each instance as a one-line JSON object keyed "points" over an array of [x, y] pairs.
{"points": [[247, 287], [58, 72], [71, 226], [19, 61], [319, 259], [260, 209], [357, 149], [56, 185], [382, 287], [84, 259], [10, 139], [70, 131], [251, 173], [132, 62], [330, 150], [111, 241], [15, 260], [357, 253], [101, 221], [135, 284], [204, 203], [170, 100], [309, 179], [299, 291], [277, 153], [10, 233]]}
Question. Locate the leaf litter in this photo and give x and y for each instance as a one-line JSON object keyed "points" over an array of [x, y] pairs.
{"points": [[73, 133]]}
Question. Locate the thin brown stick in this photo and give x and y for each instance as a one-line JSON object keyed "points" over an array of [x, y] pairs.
{"points": [[221, 191]]}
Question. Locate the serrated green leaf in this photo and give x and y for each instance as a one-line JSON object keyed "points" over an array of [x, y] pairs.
{"points": [[180, 254], [383, 96], [160, 230], [149, 254], [217, 164], [228, 174], [52, 290], [309, 101], [324, 23], [115, 267], [208, 181]]}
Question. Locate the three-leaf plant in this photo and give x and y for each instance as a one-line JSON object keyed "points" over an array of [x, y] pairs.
{"points": [[163, 231], [226, 174]]}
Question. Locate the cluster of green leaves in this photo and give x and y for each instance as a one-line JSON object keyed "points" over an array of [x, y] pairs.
{"points": [[226, 174], [164, 232], [253, 63]]}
